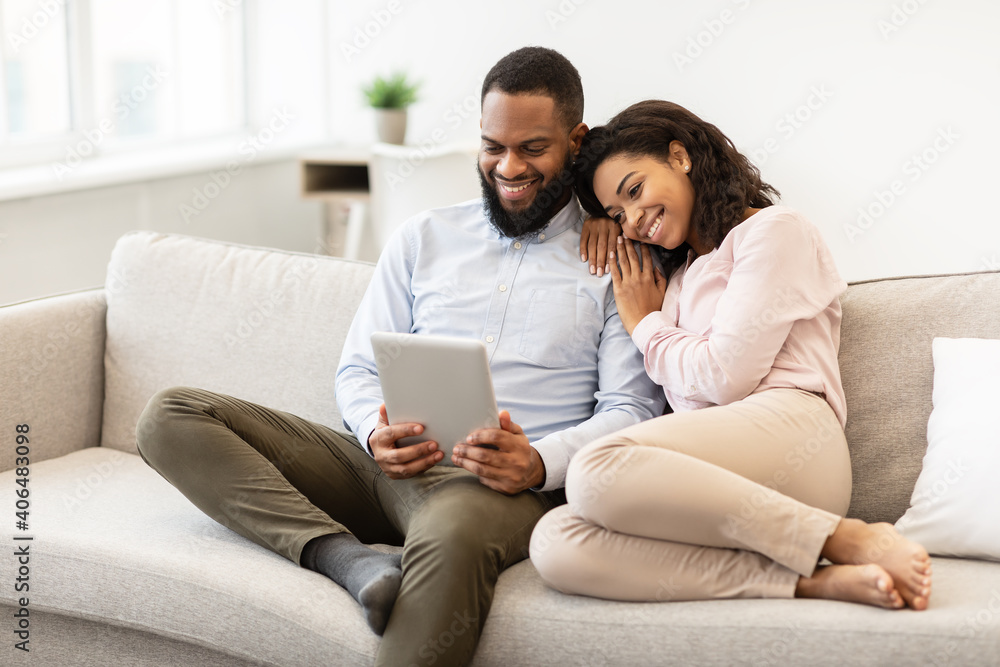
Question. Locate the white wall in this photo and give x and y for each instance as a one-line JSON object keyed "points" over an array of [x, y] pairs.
{"points": [[887, 95], [63, 242], [886, 80]]}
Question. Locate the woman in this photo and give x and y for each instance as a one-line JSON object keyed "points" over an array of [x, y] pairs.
{"points": [[741, 491]]}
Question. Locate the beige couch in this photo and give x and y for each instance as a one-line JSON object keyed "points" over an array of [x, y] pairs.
{"points": [[124, 571]]}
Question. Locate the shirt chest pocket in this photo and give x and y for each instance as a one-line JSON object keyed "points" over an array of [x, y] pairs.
{"points": [[561, 330]]}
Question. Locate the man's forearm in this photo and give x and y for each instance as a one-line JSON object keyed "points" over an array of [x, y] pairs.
{"points": [[359, 397]]}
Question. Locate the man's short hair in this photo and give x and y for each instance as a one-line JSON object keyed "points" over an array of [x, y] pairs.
{"points": [[540, 71]]}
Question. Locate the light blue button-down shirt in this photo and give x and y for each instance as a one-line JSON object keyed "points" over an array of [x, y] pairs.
{"points": [[562, 363]]}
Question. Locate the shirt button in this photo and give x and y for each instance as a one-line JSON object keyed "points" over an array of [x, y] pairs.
{"points": [[489, 339], [502, 288], [541, 237], [517, 246], [692, 389]]}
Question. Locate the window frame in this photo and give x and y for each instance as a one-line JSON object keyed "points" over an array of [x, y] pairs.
{"points": [[28, 152], [50, 151]]}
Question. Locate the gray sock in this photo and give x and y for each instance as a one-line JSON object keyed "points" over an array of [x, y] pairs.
{"points": [[371, 577]]}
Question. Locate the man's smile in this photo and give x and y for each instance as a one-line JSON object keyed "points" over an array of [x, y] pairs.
{"points": [[515, 190]]}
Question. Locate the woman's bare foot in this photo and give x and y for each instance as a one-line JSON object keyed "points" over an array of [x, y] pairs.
{"points": [[867, 584], [855, 542]]}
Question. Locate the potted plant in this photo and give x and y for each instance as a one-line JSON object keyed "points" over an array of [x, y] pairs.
{"points": [[390, 96]]}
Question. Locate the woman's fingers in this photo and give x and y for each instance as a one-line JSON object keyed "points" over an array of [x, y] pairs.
{"points": [[630, 249], [624, 260], [616, 274], [634, 267]]}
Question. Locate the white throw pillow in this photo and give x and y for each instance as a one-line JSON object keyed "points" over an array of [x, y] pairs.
{"points": [[956, 501]]}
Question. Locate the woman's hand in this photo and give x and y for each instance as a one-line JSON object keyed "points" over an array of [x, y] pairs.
{"points": [[639, 289], [597, 240]]}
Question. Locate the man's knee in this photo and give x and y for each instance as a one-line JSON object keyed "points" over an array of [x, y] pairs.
{"points": [[471, 528], [151, 430], [451, 540]]}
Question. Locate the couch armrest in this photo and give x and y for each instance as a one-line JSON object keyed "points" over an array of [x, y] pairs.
{"points": [[52, 374]]}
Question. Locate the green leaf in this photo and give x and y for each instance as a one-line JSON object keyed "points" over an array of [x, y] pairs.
{"points": [[393, 92]]}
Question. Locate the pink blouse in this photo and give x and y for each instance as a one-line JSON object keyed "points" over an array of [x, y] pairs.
{"points": [[760, 311]]}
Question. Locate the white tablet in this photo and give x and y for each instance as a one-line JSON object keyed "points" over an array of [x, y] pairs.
{"points": [[441, 382]]}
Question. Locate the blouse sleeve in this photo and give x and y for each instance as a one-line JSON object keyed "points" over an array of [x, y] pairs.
{"points": [[782, 272]]}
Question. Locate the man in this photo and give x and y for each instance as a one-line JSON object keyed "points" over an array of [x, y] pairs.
{"points": [[506, 271]]}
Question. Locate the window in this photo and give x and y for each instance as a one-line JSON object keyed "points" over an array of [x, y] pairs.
{"points": [[35, 105], [86, 77]]}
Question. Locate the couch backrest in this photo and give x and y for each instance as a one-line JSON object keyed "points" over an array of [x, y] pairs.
{"points": [[268, 325], [260, 324], [888, 372]]}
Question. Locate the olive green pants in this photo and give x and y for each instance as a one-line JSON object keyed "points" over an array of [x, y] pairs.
{"points": [[280, 480]]}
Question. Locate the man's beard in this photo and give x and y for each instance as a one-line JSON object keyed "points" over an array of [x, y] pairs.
{"points": [[520, 224]]}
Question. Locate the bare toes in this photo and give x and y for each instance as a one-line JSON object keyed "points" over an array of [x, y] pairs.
{"points": [[881, 544], [866, 584]]}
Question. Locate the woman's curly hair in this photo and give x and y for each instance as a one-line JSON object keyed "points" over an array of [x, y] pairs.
{"points": [[725, 182]]}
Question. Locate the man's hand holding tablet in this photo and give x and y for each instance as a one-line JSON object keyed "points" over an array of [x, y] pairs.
{"points": [[510, 468], [404, 461], [440, 396]]}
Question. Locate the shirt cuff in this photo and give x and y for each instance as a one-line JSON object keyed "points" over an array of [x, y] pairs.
{"points": [[556, 461], [365, 429], [643, 333]]}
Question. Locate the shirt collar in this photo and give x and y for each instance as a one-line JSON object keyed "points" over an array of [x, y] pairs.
{"points": [[568, 216]]}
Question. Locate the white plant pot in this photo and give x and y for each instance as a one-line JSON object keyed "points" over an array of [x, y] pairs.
{"points": [[390, 125]]}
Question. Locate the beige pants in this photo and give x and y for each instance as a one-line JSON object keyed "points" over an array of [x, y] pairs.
{"points": [[725, 502]]}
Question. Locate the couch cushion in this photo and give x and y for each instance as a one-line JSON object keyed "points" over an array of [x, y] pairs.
{"points": [[260, 324], [59, 640], [887, 369], [115, 542], [531, 624]]}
